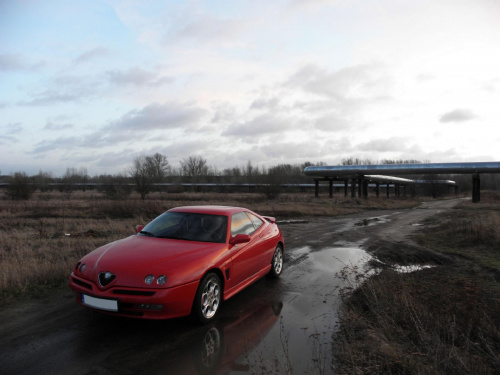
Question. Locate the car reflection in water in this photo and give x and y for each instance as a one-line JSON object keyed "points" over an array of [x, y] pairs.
{"points": [[118, 346], [219, 346]]}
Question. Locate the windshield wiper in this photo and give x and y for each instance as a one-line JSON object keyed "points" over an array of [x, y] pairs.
{"points": [[146, 233]]}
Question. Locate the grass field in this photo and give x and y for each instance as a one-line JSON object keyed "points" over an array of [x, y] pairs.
{"points": [[439, 320], [41, 239]]}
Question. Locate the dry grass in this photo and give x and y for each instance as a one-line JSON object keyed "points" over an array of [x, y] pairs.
{"points": [[473, 235], [441, 320], [435, 321], [35, 251]]}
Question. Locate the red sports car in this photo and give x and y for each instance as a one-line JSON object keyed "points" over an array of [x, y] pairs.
{"points": [[186, 261]]}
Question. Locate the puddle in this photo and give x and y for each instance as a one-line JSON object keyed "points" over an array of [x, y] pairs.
{"points": [[373, 221], [284, 222], [301, 341], [413, 268]]}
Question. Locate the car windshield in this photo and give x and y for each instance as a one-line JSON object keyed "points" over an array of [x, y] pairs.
{"points": [[188, 226]]}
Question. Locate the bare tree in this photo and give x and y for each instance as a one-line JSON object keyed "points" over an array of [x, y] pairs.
{"points": [[72, 177], [159, 166], [42, 180], [148, 170], [194, 167]]}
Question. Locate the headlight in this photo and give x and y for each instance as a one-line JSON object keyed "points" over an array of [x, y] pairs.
{"points": [[149, 279], [161, 280], [82, 268]]}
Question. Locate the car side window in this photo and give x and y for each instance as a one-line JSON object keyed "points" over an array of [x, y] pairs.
{"points": [[257, 223], [241, 224]]}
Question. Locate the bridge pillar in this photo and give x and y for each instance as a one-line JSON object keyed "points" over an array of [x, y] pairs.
{"points": [[377, 189], [387, 188], [360, 188], [353, 188], [365, 189], [330, 183], [476, 188], [316, 188], [346, 184]]}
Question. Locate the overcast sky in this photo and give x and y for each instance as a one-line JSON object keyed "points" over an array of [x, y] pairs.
{"points": [[94, 83]]}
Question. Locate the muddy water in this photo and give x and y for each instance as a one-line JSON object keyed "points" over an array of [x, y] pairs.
{"points": [[300, 339]]}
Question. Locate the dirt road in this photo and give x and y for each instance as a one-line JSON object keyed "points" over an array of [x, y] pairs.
{"points": [[281, 325]]}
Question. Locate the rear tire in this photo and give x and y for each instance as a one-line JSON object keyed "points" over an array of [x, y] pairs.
{"points": [[208, 299], [277, 262]]}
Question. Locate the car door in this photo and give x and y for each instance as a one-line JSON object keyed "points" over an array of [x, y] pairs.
{"points": [[267, 242], [246, 257]]}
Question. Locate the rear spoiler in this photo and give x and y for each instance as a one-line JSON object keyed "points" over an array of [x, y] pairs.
{"points": [[271, 219]]}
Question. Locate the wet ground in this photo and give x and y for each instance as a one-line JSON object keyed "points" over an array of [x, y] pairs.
{"points": [[283, 325]]}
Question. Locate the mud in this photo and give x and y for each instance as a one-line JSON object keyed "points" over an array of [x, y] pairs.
{"points": [[274, 326]]}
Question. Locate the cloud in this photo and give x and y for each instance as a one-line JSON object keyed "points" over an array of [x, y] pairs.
{"points": [[137, 76], [458, 115], [384, 145], [160, 116], [54, 126], [368, 81], [13, 128], [56, 144], [291, 151], [331, 122], [224, 112], [17, 62], [137, 122], [8, 133], [49, 97], [108, 160], [208, 30], [266, 123], [63, 89], [92, 54], [268, 104], [424, 77], [6, 140]]}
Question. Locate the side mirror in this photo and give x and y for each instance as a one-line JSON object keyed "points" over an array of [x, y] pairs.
{"points": [[239, 238], [138, 228]]}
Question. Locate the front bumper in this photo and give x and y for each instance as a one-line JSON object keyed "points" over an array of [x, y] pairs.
{"points": [[144, 303]]}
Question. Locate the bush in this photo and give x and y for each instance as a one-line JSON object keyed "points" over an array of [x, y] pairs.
{"points": [[20, 187]]}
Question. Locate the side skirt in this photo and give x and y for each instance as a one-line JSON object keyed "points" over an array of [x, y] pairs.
{"points": [[238, 288]]}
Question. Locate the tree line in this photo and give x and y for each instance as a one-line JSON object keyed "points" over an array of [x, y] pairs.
{"points": [[148, 170]]}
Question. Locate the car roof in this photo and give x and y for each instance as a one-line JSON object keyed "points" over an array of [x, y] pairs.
{"points": [[208, 209]]}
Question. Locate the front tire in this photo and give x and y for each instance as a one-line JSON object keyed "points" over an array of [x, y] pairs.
{"points": [[208, 298], [277, 262]]}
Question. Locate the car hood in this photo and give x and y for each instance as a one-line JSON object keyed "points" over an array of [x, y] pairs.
{"points": [[135, 257]]}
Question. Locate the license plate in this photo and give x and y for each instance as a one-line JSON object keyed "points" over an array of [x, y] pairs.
{"points": [[100, 303]]}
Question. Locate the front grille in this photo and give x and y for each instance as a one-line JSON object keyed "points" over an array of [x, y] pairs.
{"points": [[82, 283], [133, 292], [105, 278]]}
